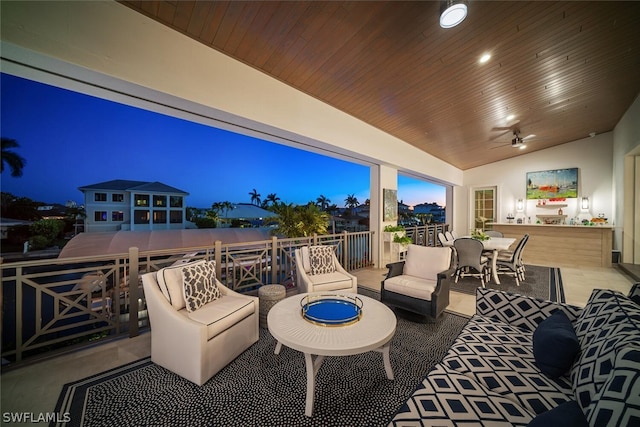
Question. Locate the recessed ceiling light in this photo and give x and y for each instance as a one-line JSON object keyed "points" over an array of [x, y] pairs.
{"points": [[484, 58], [452, 12]]}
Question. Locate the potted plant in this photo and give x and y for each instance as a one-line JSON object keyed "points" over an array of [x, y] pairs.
{"points": [[390, 232]]}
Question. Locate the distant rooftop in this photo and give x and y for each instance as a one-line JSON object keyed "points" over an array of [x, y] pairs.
{"points": [[127, 185]]}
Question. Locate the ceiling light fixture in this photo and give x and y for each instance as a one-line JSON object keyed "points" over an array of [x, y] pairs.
{"points": [[517, 141], [452, 12], [485, 58]]}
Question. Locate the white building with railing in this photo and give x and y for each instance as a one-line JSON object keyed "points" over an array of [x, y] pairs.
{"points": [[133, 205]]}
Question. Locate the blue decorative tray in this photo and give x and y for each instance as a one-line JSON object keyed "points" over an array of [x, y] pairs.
{"points": [[331, 309]]}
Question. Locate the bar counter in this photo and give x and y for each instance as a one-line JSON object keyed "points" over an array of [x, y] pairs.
{"points": [[563, 245]]}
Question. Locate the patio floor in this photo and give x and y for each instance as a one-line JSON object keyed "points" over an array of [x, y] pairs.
{"points": [[35, 387]]}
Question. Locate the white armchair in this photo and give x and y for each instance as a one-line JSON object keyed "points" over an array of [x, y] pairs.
{"points": [[197, 344], [318, 269]]}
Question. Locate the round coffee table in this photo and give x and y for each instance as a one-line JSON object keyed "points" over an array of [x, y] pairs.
{"points": [[373, 332]]}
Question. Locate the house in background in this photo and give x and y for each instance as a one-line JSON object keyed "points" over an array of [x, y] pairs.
{"points": [[133, 205], [432, 210]]}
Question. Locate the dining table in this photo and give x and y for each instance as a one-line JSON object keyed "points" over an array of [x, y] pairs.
{"points": [[493, 244]]}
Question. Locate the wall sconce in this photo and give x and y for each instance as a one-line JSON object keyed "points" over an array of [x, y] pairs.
{"points": [[585, 203], [520, 205]]}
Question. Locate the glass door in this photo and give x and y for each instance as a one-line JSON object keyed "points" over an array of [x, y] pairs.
{"points": [[484, 207]]}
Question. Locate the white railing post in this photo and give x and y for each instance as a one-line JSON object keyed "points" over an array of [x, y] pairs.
{"points": [[275, 264], [345, 251], [133, 292], [217, 256]]}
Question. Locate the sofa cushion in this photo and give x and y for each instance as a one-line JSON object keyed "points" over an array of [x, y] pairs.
{"points": [[448, 398], [411, 286], [321, 260], [568, 414], [199, 285], [330, 281], [500, 357], [618, 402], [171, 284], [555, 345], [609, 323], [223, 313], [426, 261]]}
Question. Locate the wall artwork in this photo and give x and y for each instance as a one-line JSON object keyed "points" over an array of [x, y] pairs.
{"points": [[553, 184], [390, 202]]}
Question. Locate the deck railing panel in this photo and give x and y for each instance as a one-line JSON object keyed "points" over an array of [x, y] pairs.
{"points": [[48, 304]]}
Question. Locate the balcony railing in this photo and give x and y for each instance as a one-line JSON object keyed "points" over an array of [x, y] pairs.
{"points": [[52, 305]]}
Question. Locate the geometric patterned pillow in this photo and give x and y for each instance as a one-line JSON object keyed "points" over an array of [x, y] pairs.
{"points": [[609, 323], [618, 403], [321, 259], [634, 293], [200, 286]]}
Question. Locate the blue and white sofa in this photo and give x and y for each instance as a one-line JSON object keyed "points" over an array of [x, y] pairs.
{"points": [[523, 361]]}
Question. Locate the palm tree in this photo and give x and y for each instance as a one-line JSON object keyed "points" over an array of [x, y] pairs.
{"points": [[228, 206], [300, 221], [322, 202], [12, 159], [272, 199], [255, 197], [351, 201]]}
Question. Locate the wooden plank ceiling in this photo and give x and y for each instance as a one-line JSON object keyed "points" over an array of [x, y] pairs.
{"points": [[562, 69]]}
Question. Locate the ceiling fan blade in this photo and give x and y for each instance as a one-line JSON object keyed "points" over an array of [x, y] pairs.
{"points": [[493, 138], [529, 136], [497, 128], [503, 145]]}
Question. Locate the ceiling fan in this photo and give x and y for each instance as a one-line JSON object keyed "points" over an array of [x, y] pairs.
{"points": [[517, 141]]}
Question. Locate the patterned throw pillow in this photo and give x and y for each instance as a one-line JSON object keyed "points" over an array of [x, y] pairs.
{"points": [[321, 260], [200, 286]]}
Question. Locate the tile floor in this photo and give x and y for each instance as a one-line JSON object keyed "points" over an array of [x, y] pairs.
{"points": [[35, 388]]}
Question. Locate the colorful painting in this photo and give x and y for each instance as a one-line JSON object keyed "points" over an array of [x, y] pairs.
{"points": [[390, 201], [553, 184]]}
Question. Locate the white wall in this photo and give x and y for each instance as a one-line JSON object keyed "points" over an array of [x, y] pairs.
{"points": [[592, 156], [626, 149]]}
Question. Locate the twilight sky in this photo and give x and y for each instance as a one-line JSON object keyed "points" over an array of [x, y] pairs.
{"points": [[71, 140]]}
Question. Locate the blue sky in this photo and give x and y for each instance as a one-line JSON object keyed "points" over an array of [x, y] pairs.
{"points": [[70, 140]]}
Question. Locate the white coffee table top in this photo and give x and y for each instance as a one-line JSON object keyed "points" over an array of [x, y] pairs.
{"points": [[375, 328]]}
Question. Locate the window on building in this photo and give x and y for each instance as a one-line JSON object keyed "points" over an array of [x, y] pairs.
{"points": [[117, 216], [175, 217], [159, 201], [99, 216], [159, 217], [100, 197], [140, 216], [176, 202], [141, 199], [117, 198]]}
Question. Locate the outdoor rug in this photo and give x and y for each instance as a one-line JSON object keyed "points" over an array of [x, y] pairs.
{"points": [[540, 282], [260, 388]]}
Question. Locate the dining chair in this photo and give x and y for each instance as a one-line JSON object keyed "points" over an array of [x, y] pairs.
{"points": [[494, 233], [470, 257], [511, 264], [449, 235], [442, 239]]}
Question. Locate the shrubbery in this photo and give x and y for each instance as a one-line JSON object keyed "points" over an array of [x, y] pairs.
{"points": [[45, 232]]}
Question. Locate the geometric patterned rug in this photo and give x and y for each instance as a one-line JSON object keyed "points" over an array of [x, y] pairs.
{"points": [[262, 388], [540, 282]]}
